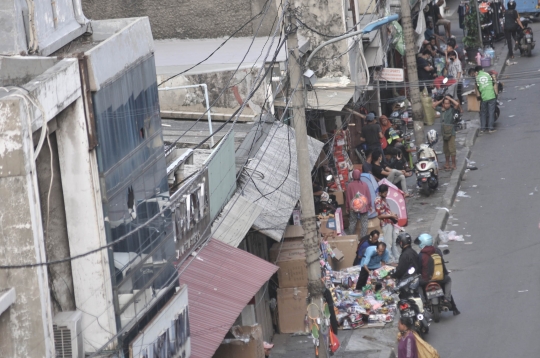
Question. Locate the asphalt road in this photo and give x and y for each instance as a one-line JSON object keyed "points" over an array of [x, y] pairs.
{"points": [[496, 272]]}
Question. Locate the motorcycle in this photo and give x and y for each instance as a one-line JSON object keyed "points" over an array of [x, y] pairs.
{"points": [[526, 42], [401, 113], [426, 169], [410, 303], [434, 299]]}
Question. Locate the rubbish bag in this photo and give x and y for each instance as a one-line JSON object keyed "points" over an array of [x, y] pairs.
{"points": [[334, 342], [427, 105], [445, 236]]}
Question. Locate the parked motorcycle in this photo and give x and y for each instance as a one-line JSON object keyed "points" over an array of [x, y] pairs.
{"points": [[434, 299], [401, 113], [410, 303], [427, 166], [526, 42]]}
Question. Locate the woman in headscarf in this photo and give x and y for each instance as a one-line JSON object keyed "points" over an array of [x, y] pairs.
{"points": [[385, 124], [358, 222]]}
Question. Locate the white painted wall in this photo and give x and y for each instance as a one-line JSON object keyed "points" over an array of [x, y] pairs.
{"points": [[85, 224]]}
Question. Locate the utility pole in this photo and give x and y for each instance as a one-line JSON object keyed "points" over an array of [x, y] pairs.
{"points": [[309, 223], [412, 72]]}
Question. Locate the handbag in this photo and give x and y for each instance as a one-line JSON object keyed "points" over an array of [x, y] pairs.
{"points": [[447, 131]]}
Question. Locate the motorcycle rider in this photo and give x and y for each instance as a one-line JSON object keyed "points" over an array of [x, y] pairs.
{"points": [[408, 257], [511, 24], [425, 261]]}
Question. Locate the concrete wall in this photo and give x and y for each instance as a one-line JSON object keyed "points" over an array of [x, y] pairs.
{"points": [[26, 327], [186, 18], [54, 224], [326, 17], [39, 27], [85, 227], [192, 99]]}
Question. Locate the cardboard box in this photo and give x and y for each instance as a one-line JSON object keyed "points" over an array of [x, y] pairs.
{"points": [[293, 231], [292, 309], [347, 245], [292, 269], [338, 255], [340, 197], [374, 224], [282, 248], [247, 344], [473, 105], [324, 230]]}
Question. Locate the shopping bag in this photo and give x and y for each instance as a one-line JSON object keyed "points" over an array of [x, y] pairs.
{"points": [[334, 342], [425, 350]]}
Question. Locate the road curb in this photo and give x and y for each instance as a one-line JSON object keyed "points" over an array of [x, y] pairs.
{"points": [[453, 186], [471, 137]]}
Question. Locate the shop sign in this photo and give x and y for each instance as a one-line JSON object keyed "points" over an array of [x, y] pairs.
{"points": [[191, 215], [168, 334], [390, 75]]}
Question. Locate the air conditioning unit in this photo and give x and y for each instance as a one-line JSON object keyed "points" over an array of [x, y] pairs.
{"points": [[68, 340]]}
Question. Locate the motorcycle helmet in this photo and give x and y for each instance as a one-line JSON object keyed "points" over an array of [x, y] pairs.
{"points": [[404, 239], [424, 240], [325, 196], [432, 137], [511, 5]]}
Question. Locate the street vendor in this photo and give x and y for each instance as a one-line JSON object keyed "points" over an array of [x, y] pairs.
{"points": [[366, 241], [374, 257]]}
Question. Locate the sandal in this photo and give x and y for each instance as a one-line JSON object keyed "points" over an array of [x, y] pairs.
{"points": [[454, 167], [446, 168]]}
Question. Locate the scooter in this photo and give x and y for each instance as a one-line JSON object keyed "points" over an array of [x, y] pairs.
{"points": [[434, 296], [401, 112], [410, 303], [427, 169], [526, 42]]}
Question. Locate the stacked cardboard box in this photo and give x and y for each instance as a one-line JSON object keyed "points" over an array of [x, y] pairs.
{"points": [[346, 245], [290, 257]]}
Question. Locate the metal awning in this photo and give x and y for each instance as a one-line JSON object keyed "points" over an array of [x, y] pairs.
{"points": [[221, 281], [269, 181]]}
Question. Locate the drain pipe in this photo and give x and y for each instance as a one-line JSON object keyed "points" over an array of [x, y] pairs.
{"points": [[78, 11], [203, 85]]}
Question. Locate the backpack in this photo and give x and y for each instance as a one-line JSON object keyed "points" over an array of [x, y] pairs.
{"points": [[435, 267], [359, 204], [424, 349]]}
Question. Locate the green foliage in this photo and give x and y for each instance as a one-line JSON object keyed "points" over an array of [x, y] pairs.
{"points": [[472, 40]]}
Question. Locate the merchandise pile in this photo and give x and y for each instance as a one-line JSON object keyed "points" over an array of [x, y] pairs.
{"points": [[374, 306]]}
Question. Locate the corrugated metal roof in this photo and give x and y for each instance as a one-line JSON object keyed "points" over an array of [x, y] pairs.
{"points": [[221, 281], [269, 180]]}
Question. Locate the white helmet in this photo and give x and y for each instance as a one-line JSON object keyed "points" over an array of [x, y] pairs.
{"points": [[325, 196], [432, 137]]}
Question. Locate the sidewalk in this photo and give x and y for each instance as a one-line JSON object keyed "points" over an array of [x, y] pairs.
{"points": [[423, 217]]}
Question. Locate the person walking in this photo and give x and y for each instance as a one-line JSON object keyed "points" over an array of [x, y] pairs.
{"points": [[388, 218], [358, 221], [511, 24], [447, 110], [406, 340], [374, 257], [486, 89]]}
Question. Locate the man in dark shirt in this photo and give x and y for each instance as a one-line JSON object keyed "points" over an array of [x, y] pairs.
{"points": [[366, 167], [371, 133], [394, 176], [425, 70]]}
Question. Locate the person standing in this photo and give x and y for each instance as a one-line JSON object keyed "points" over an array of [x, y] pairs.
{"points": [[455, 71], [374, 257], [388, 218], [358, 222], [406, 340], [371, 133], [511, 23], [486, 89], [448, 108]]}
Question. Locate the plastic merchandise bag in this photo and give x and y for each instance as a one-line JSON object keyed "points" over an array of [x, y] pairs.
{"points": [[334, 342], [446, 236]]}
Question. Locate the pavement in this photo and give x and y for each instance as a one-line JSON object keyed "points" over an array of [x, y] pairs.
{"points": [[428, 214]]}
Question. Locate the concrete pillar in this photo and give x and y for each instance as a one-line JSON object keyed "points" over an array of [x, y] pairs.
{"points": [[26, 327], [85, 225]]}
